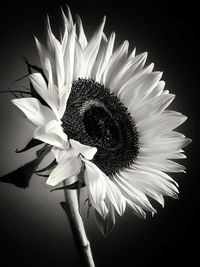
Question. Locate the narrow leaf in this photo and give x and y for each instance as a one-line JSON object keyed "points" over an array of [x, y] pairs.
{"points": [[32, 143], [75, 185], [20, 177]]}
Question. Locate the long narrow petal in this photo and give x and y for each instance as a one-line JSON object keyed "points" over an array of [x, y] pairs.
{"points": [[90, 52], [106, 225], [81, 37], [132, 193], [130, 68], [115, 63], [115, 196], [161, 124], [96, 186], [40, 86], [105, 58], [153, 106]]}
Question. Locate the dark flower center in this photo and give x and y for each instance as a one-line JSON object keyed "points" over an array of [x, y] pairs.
{"points": [[95, 117]]}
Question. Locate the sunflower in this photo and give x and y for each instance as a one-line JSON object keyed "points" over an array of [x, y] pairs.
{"points": [[103, 115]]}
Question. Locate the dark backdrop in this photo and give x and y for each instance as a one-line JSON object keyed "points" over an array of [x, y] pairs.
{"points": [[33, 227]]}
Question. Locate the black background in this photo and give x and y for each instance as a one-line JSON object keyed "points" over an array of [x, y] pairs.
{"points": [[33, 228]]}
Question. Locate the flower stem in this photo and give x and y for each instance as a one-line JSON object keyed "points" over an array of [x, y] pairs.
{"points": [[71, 207]]}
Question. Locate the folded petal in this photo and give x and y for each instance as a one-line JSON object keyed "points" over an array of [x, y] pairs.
{"points": [[37, 113], [87, 151], [40, 86], [66, 169], [52, 134]]}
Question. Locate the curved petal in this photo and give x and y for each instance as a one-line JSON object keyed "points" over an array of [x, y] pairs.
{"points": [[40, 86], [37, 113], [90, 52], [87, 151], [81, 37], [67, 168], [52, 134], [96, 187], [115, 196]]}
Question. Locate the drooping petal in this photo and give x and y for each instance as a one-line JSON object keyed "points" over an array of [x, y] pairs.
{"points": [[96, 187], [66, 169], [87, 151], [136, 209], [37, 113], [107, 224], [115, 196], [132, 193]]}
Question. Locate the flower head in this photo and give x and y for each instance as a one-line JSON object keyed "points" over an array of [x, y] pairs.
{"points": [[104, 114]]}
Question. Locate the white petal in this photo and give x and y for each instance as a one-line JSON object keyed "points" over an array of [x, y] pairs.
{"points": [[67, 168], [52, 89], [43, 53], [136, 90], [132, 193], [128, 70], [115, 196], [37, 113], [159, 146], [52, 134], [106, 225], [40, 86], [158, 90], [100, 57], [161, 124], [127, 91], [87, 151], [82, 38], [69, 56], [136, 209], [160, 164], [152, 106], [96, 186], [105, 58], [148, 179], [115, 63], [78, 59], [90, 52]]}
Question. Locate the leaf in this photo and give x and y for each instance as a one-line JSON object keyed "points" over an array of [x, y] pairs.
{"points": [[21, 176], [50, 166], [32, 143], [73, 186]]}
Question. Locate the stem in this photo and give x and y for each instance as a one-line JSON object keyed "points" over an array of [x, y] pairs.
{"points": [[71, 207]]}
